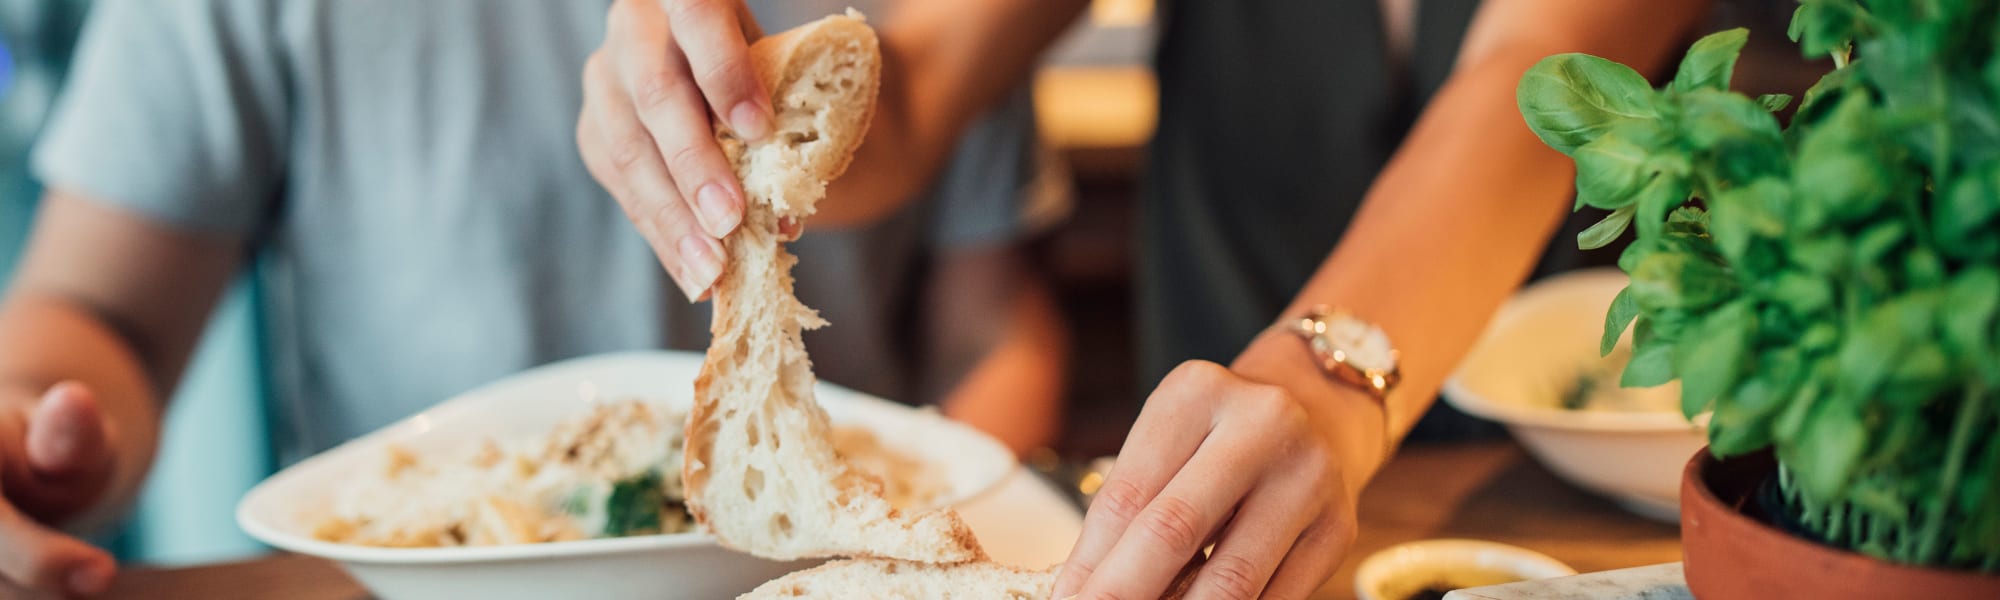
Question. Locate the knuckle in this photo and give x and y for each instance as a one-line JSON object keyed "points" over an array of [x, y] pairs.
{"points": [[687, 162], [1196, 372], [686, 9], [730, 68], [1231, 577], [1174, 522], [1121, 499], [593, 70], [626, 152], [657, 90], [670, 216], [622, 13]]}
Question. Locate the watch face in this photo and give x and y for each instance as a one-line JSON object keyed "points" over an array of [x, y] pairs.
{"points": [[1366, 346]]}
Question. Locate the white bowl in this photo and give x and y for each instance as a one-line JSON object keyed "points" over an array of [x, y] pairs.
{"points": [[1544, 334], [686, 565], [1404, 569]]}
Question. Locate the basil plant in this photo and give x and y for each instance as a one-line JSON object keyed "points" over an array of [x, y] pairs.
{"points": [[1827, 289]]}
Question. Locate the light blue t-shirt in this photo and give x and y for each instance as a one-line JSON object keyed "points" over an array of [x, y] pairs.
{"points": [[419, 218]]}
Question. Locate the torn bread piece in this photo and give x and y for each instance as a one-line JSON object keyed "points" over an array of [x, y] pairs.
{"points": [[760, 469], [877, 579]]}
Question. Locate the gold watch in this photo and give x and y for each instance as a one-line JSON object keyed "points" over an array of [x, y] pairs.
{"points": [[1353, 352]]}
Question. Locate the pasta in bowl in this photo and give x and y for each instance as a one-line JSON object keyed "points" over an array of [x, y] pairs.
{"points": [[564, 480], [613, 472]]}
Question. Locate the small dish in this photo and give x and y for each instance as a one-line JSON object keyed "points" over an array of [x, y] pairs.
{"points": [[1403, 570]]}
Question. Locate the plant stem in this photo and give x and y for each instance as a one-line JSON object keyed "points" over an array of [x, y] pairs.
{"points": [[1969, 409]]}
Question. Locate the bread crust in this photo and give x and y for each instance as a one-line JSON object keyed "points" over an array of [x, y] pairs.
{"points": [[775, 60]]}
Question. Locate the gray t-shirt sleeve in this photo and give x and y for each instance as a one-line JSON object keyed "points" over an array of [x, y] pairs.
{"points": [[175, 110], [980, 195]]}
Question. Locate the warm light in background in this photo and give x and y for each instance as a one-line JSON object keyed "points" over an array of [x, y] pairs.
{"points": [[1121, 13], [1097, 107]]}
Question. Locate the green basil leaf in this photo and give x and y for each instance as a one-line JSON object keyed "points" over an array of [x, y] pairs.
{"points": [[1830, 442], [1712, 118], [1635, 252], [1742, 214], [1965, 216], [1606, 230], [1922, 268], [1687, 220], [1873, 348], [1819, 336], [1821, 26], [1571, 99], [1608, 171], [1921, 373], [1681, 281], [1791, 420], [1660, 196], [1742, 418], [1840, 163], [1652, 364], [1967, 317], [1774, 102], [1830, 88], [1875, 243], [1623, 310], [1801, 292], [1710, 362], [634, 505], [1710, 61], [1826, 256]]}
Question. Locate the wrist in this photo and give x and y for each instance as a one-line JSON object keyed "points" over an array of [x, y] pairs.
{"points": [[1352, 420]]}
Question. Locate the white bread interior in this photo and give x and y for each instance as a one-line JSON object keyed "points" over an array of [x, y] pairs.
{"points": [[875, 579], [760, 469]]}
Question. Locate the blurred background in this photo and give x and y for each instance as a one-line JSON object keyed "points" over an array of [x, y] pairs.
{"points": [[1096, 102]]}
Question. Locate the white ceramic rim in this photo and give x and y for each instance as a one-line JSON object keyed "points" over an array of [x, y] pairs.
{"points": [[1528, 564], [1465, 400], [828, 394], [1456, 394]]}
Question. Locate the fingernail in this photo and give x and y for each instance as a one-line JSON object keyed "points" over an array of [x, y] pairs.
{"points": [[718, 210], [750, 121], [87, 581], [701, 260]]}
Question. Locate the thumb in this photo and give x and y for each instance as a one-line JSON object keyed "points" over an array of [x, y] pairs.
{"points": [[66, 438], [37, 557]]}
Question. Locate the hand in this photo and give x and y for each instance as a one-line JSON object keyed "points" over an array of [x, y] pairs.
{"points": [[1216, 457], [55, 461], [644, 131]]}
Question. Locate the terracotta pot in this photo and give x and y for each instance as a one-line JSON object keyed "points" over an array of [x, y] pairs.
{"points": [[1733, 553]]}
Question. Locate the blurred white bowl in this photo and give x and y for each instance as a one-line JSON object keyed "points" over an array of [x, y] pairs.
{"points": [[1404, 569], [1533, 350], [1022, 522]]}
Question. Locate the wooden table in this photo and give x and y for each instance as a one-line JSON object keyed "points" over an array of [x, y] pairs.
{"points": [[1487, 490]]}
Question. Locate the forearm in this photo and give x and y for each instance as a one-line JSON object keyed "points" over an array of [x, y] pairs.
{"points": [[45, 339], [1451, 227], [1015, 390], [114, 301], [944, 64], [1457, 218]]}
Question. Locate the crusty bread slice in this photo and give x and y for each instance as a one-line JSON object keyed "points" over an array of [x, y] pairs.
{"points": [[876, 579], [760, 470]]}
